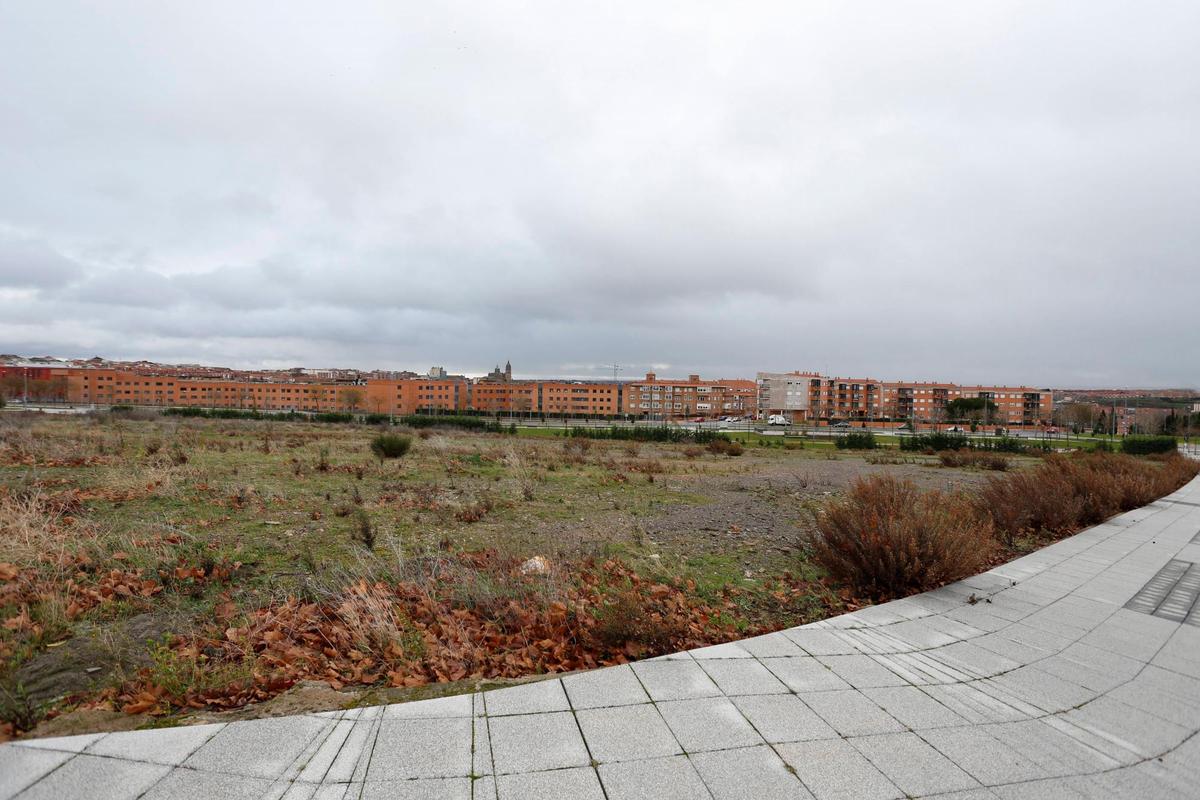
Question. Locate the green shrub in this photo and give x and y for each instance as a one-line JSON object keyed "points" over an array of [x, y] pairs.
{"points": [[457, 421], [935, 441], [390, 445], [856, 440], [655, 433], [187, 411], [1144, 445], [377, 419], [939, 441], [230, 413], [333, 417]]}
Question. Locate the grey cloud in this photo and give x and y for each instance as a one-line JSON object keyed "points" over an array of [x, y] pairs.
{"points": [[1001, 192], [130, 287], [31, 264]]}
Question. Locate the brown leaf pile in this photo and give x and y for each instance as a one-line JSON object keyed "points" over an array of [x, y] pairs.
{"points": [[442, 629]]}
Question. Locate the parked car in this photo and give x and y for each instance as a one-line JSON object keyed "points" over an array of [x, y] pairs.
{"points": [[842, 424], [777, 419]]}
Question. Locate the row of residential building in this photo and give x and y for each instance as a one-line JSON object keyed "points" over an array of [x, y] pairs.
{"points": [[809, 396], [799, 396]]}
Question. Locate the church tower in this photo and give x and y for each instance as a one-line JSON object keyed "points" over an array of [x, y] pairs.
{"points": [[508, 371]]}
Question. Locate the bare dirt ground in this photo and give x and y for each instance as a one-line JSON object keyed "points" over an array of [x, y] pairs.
{"points": [[760, 509]]}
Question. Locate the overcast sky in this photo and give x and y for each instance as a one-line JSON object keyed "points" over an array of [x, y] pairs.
{"points": [[991, 191]]}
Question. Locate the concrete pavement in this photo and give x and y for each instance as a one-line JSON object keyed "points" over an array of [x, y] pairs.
{"points": [[1073, 672]]}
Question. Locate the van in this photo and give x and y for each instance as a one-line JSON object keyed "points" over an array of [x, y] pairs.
{"points": [[777, 419]]}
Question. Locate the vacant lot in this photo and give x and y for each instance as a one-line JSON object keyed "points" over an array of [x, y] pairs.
{"points": [[159, 566]]}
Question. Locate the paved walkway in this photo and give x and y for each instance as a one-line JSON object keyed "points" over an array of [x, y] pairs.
{"points": [[1071, 672]]}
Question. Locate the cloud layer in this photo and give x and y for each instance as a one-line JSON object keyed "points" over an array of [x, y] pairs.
{"points": [[937, 190]]}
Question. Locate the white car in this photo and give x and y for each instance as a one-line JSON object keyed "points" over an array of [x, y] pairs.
{"points": [[777, 419]]}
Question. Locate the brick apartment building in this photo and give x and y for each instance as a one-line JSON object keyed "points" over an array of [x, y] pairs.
{"points": [[399, 397], [801, 396], [811, 397], [675, 399]]}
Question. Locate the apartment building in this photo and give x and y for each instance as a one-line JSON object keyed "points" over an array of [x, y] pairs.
{"points": [[676, 399], [926, 402], [33, 381], [504, 397], [785, 393], [811, 397], [801, 396], [415, 395], [579, 398], [401, 396], [108, 386]]}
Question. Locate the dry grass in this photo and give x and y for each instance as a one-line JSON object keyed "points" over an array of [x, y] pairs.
{"points": [[965, 459]]}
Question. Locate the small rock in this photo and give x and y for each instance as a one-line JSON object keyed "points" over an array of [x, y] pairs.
{"points": [[537, 565]]}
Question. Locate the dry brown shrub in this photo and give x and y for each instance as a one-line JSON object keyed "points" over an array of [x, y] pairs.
{"points": [[647, 466], [577, 444], [1063, 494], [725, 447], [886, 538], [974, 458]]}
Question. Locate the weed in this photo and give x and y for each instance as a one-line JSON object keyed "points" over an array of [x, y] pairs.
{"points": [[364, 529], [390, 445], [17, 708], [974, 458], [727, 447], [624, 619]]}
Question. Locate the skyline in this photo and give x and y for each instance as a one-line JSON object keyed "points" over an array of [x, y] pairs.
{"points": [[1005, 192], [625, 375]]}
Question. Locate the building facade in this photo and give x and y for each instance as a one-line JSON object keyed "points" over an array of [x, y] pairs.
{"points": [[693, 398], [807, 397], [814, 398]]}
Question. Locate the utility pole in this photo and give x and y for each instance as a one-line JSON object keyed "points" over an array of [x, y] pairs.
{"points": [[615, 369]]}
